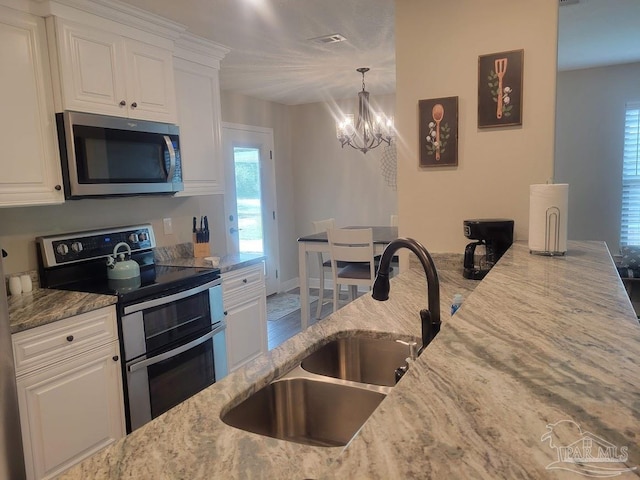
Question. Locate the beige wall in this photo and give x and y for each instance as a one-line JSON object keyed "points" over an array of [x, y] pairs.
{"points": [[437, 56], [589, 146]]}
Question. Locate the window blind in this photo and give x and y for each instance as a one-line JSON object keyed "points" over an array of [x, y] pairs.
{"points": [[630, 219]]}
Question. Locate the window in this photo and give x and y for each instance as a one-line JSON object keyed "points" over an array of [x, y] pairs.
{"points": [[630, 221]]}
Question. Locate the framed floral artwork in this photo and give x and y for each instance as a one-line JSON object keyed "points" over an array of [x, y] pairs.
{"points": [[438, 132], [500, 89]]}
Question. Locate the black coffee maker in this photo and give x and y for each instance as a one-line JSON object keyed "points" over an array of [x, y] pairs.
{"points": [[494, 235]]}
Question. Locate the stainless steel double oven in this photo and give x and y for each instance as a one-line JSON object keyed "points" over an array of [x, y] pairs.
{"points": [[174, 346], [171, 327]]}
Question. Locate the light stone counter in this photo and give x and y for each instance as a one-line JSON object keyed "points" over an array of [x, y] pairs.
{"points": [[227, 262], [43, 306], [181, 255], [539, 341]]}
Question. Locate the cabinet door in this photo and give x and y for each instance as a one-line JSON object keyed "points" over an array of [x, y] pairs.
{"points": [[246, 327], [150, 84], [30, 161], [198, 105], [70, 410], [91, 74]]}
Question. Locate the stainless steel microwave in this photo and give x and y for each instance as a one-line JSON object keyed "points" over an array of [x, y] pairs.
{"points": [[103, 155]]}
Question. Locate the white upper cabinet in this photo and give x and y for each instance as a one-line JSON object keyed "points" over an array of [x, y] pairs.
{"points": [[106, 73], [150, 82], [198, 103], [30, 162]]}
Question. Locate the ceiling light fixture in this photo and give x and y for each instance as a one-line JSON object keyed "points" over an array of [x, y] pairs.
{"points": [[371, 129], [325, 39]]}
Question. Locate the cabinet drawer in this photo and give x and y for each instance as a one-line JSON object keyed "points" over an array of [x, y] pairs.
{"points": [[237, 281], [50, 343]]}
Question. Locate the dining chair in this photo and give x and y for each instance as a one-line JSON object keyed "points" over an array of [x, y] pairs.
{"points": [[354, 246], [318, 227]]}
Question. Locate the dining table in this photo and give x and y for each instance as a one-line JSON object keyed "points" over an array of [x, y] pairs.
{"points": [[318, 242]]}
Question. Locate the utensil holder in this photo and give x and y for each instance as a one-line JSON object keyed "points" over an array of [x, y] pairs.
{"points": [[200, 250]]}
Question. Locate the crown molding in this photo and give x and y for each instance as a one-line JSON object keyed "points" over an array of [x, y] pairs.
{"points": [[111, 10], [200, 50]]}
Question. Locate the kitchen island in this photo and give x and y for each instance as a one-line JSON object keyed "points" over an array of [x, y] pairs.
{"points": [[540, 341]]}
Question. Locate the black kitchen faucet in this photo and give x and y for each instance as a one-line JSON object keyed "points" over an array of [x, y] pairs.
{"points": [[429, 317]]}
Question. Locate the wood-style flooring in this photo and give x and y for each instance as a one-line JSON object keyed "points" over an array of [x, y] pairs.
{"points": [[286, 327]]}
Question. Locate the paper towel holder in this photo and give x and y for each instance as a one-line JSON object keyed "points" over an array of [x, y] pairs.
{"points": [[551, 234]]}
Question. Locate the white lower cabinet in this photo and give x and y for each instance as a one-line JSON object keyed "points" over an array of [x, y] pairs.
{"points": [[245, 304], [70, 408]]}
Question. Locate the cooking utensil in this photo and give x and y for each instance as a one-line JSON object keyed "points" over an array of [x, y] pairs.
{"points": [[501, 68], [437, 112], [206, 229]]}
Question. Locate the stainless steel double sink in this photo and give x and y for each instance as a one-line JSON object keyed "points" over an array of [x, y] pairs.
{"points": [[325, 399]]}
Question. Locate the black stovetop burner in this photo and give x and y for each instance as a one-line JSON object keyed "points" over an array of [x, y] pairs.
{"points": [[154, 280]]}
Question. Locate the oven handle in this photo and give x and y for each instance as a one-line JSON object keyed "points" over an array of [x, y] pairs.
{"points": [[172, 158], [136, 307], [176, 351]]}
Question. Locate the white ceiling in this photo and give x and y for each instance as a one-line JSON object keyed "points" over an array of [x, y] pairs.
{"points": [[271, 57]]}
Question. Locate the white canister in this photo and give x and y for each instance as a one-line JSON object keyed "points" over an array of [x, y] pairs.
{"points": [[25, 282], [15, 287]]}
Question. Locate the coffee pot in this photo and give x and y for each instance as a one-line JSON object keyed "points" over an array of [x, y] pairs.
{"points": [[494, 237]]}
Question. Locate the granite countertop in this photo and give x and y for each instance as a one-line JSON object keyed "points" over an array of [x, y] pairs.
{"points": [[42, 306], [540, 341], [227, 262]]}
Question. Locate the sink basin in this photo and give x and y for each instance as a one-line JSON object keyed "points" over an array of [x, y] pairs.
{"points": [[306, 411], [359, 359]]}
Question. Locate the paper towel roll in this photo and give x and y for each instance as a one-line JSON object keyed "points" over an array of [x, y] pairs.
{"points": [[548, 208]]}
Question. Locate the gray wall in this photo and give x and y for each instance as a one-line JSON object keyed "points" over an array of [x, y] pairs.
{"points": [[259, 113], [315, 177], [335, 182], [589, 147]]}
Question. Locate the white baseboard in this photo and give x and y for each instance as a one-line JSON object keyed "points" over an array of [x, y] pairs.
{"points": [[289, 285]]}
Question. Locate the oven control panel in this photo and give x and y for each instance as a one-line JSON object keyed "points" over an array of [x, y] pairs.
{"points": [[64, 249]]}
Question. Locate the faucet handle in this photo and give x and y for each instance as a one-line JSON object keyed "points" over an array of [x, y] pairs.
{"points": [[412, 348]]}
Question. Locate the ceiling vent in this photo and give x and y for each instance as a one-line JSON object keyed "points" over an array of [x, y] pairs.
{"points": [[326, 39], [568, 2]]}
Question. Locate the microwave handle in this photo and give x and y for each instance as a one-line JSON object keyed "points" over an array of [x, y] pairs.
{"points": [[172, 157]]}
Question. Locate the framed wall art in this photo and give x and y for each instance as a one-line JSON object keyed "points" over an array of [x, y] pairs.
{"points": [[500, 89], [438, 132]]}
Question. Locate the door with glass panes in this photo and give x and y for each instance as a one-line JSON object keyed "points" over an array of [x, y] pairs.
{"points": [[250, 205]]}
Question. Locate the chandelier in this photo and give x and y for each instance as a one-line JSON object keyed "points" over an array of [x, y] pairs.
{"points": [[370, 130]]}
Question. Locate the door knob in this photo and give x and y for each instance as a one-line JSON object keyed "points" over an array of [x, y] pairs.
{"points": [[233, 230]]}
